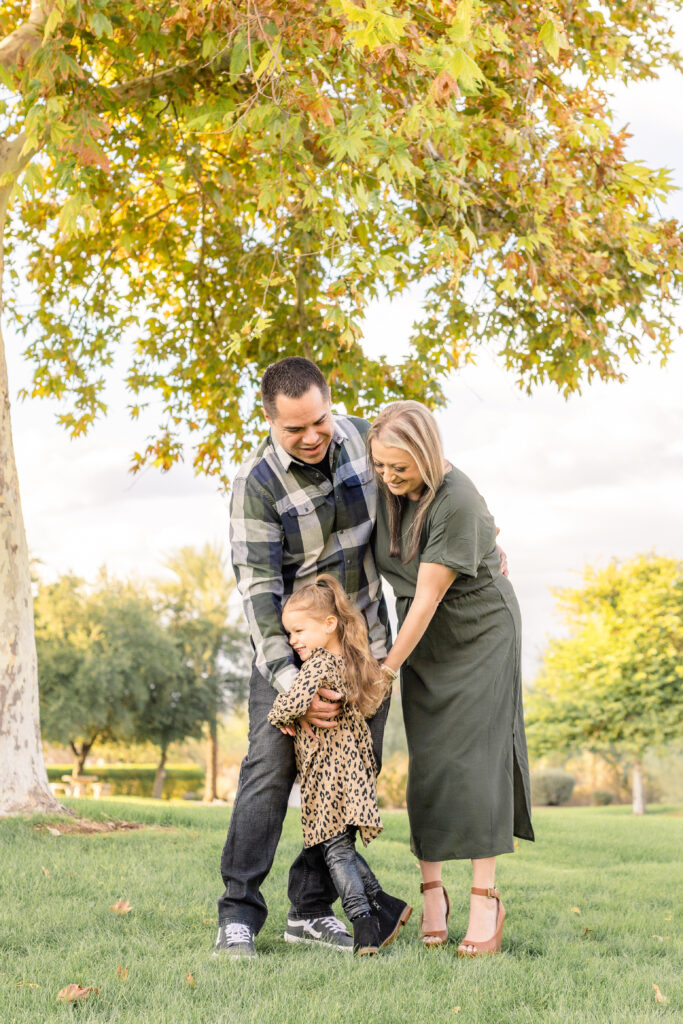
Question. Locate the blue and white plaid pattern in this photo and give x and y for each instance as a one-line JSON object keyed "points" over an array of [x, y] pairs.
{"points": [[288, 523]]}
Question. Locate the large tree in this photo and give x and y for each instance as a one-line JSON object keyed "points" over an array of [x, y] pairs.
{"points": [[216, 184], [614, 682]]}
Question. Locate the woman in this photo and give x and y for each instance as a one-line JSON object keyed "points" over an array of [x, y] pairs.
{"points": [[459, 649]]}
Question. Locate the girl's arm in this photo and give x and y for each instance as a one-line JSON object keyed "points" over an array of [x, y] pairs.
{"points": [[433, 580]]}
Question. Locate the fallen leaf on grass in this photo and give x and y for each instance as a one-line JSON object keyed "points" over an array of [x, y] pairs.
{"points": [[190, 980], [121, 907], [669, 917], [586, 931], [71, 993], [575, 910], [27, 984], [457, 1009], [45, 872], [659, 997], [659, 938], [53, 831], [122, 973], [515, 844]]}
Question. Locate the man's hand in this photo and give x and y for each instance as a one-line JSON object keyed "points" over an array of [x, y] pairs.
{"points": [[322, 712]]}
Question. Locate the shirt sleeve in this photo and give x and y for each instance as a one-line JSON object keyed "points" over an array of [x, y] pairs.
{"points": [[461, 533], [256, 540], [289, 706]]}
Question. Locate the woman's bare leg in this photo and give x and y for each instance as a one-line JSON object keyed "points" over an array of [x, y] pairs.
{"points": [[434, 902], [483, 911]]}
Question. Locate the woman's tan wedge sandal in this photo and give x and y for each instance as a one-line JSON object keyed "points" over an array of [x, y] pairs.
{"points": [[437, 938], [491, 945]]}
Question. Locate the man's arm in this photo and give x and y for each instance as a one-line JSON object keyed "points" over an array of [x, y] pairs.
{"points": [[256, 538]]}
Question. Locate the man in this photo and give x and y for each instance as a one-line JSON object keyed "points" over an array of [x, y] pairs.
{"points": [[302, 504]]}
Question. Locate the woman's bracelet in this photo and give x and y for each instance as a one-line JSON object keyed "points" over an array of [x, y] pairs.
{"points": [[389, 673]]}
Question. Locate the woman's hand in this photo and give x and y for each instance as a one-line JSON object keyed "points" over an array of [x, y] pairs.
{"points": [[433, 580]]}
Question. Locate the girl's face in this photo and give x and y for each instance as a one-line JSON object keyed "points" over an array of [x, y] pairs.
{"points": [[306, 632], [398, 469]]}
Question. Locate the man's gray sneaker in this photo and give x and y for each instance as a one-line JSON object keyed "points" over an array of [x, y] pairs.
{"points": [[324, 931], [235, 941]]}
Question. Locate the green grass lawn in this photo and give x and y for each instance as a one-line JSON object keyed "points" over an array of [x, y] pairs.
{"points": [[623, 875]]}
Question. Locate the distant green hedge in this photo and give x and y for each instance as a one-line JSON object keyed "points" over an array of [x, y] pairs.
{"points": [[137, 779]]}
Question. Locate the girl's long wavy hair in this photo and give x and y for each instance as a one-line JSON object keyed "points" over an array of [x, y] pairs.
{"points": [[366, 685], [411, 427]]}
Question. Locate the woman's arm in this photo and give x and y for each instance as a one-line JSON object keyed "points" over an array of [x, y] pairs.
{"points": [[433, 581]]}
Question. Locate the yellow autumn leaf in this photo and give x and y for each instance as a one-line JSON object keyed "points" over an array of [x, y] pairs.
{"points": [[659, 996], [121, 907], [576, 910]]}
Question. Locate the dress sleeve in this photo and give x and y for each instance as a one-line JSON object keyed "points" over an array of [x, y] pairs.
{"points": [[289, 706], [461, 533]]}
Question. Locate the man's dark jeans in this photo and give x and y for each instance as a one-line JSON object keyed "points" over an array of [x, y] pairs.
{"points": [[266, 777], [353, 879]]}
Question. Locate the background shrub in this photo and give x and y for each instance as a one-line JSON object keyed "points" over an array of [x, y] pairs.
{"points": [[551, 787], [602, 797]]}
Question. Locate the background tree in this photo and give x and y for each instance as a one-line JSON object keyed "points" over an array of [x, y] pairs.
{"points": [[614, 683], [101, 654], [215, 650], [210, 186]]}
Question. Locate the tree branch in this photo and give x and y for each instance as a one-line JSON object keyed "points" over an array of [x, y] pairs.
{"points": [[17, 47]]}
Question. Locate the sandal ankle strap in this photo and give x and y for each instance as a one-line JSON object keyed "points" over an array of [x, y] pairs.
{"points": [[492, 892], [430, 885]]}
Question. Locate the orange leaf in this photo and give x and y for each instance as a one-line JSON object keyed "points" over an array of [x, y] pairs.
{"points": [[444, 86], [659, 998], [190, 980], [586, 931], [121, 907], [73, 992], [45, 872], [575, 910], [122, 973]]}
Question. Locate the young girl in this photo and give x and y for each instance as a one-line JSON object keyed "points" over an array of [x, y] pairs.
{"points": [[336, 765]]}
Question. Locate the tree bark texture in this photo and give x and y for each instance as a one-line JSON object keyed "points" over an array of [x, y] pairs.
{"points": [[160, 776], [211, 761], [638, 785]]}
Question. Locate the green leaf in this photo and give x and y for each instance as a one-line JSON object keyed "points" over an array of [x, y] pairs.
{"points": [[100, 24], [239, 56]]}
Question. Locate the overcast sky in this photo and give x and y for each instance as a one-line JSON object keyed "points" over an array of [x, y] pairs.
{"points": [[569, 482]]}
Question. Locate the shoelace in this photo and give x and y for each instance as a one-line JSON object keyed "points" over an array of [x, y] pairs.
{"points": [[236, 932], [332, 923]]}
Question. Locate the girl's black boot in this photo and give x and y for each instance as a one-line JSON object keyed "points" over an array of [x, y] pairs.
{"points": [[366, 935]]}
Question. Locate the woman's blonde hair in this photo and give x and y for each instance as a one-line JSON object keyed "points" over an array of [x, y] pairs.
{"points": [[411, 427], [366, 684]]}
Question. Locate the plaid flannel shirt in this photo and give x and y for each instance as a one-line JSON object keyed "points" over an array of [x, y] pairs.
{"points": [[288, 523]]}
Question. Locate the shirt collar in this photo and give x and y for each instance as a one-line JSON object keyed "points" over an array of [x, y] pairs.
{"points": [[286, 459]]}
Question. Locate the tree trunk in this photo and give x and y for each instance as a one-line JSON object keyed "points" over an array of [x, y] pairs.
{"points": [[22, 767], [81, 756], [211, 760], [160, 775], [638, 784]]}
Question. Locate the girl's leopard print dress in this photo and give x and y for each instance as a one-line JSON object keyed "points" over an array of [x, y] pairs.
{"points": [[338, 771]]}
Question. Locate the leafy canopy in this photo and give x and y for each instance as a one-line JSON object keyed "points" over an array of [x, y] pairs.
{"points": [[616, 680], [219, 184]]}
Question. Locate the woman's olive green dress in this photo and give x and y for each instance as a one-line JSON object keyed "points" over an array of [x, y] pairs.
{"points": [[468, 776]]}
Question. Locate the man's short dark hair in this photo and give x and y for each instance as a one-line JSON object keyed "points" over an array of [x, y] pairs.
{"points": [[292, 377]]}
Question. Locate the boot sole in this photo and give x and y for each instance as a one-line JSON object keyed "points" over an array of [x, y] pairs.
{"points": [[403, 919]]}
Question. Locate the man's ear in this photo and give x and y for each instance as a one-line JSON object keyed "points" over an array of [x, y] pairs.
{"points": [[263, 410]]}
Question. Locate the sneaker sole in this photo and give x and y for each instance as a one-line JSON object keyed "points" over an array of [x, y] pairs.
{"points": [[317, 942], [403, 919]]}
